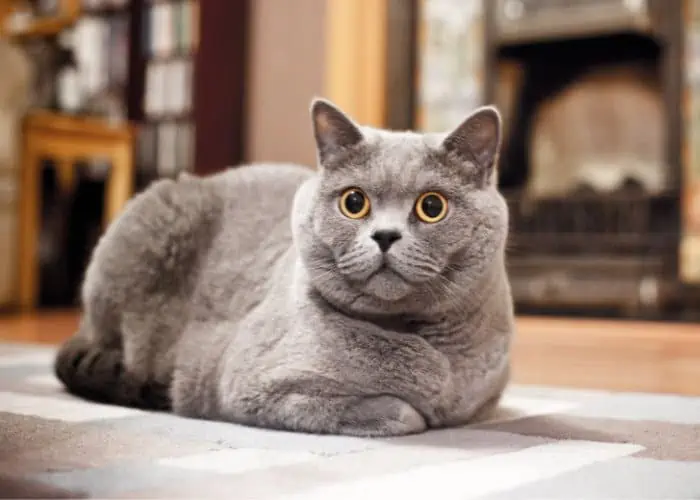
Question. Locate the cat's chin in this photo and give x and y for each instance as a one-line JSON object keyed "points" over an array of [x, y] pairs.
{"points": [[387, 285]]}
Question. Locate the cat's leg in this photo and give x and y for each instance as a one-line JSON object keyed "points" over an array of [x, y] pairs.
{"points": [[92, 363], [324, 402], [364, 416], [97, 373], [210, 382], [312, 402], [381, 416], [315, 406], [345, 377], [134, 299], [350, 391]]}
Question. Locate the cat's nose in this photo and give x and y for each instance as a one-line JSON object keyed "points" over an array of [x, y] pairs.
{"points": [[385, 239]]}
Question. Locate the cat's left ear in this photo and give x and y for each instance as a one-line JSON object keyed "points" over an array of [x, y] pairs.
{"points": [[477, 139]]}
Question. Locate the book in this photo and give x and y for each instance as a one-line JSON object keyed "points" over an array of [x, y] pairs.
{"points": [[147, 149], [167, 149], [170, 28]]}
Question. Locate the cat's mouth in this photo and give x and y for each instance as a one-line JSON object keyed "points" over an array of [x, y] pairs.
{"points": [[386, 268], [386, 283]]}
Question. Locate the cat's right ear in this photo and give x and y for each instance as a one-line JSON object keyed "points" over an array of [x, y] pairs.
{"points": [[477, 140], [334, 131]]}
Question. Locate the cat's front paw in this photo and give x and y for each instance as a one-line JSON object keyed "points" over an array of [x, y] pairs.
{"points": [[382, 416]]}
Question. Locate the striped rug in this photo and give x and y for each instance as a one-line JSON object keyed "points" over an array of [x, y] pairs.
{"points": [[543, 443]]}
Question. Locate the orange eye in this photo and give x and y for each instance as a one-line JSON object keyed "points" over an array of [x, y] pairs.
{"points": [[431, 207], [354, 204]]}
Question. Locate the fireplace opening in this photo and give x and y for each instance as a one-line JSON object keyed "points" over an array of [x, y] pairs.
{"points": [[541, 73]]}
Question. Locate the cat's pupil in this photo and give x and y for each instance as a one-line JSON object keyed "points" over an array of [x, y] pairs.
{"points": [[355, 202], [431, 206]]}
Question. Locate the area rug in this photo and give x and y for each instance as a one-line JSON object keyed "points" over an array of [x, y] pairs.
{"points": [[544, 443]]}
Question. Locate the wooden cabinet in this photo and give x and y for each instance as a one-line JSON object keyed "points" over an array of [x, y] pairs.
{"points": [[20, 27]]}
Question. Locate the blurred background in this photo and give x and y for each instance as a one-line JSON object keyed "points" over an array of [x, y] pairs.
{"points": [[600, 166]]}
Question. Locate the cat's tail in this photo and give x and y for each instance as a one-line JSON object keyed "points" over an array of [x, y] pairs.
{"points": [[98, 374]]}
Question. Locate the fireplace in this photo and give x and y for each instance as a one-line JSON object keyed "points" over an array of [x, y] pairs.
{"points": [[591, 166]]}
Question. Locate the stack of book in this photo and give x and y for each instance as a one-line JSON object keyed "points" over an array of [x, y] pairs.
{"points": [[169, 42]]}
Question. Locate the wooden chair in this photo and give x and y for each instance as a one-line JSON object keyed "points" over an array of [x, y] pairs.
{"points": [[65, 140]]}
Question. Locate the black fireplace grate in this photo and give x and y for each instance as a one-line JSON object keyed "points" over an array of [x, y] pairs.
{"points": [[624, 224]]}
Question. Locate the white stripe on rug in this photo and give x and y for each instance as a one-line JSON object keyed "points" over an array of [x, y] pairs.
{"points": [[61, 409], [44, 380], [237, 461], [469, 479], [40, 358]]}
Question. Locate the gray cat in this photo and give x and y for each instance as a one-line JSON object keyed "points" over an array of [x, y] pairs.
{"points": [[367, 299]]}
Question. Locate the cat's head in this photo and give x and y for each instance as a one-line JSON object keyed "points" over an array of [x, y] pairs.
{"points": [[401, 222]]}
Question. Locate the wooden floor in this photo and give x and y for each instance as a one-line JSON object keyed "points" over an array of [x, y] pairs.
{"points": [[601, 354]]}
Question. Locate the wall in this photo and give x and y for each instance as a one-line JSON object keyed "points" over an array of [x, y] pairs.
{"points": [[287, 53]]}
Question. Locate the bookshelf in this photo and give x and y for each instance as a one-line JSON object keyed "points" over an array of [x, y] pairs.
{"points": [[187, 86], [184, 78]]}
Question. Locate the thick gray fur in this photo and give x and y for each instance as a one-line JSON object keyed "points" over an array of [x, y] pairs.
{"points": [[249, 297]]}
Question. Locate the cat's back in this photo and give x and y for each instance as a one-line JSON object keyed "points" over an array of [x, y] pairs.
{"points": [[268, 185], [254, 231], [257, 197], [179, 228]]}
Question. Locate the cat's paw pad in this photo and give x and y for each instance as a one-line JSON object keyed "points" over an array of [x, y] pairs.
{"points": [[383, 416]]}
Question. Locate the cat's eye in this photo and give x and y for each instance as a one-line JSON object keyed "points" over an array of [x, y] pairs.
{"points": [[431, 207], [354, 203]]}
